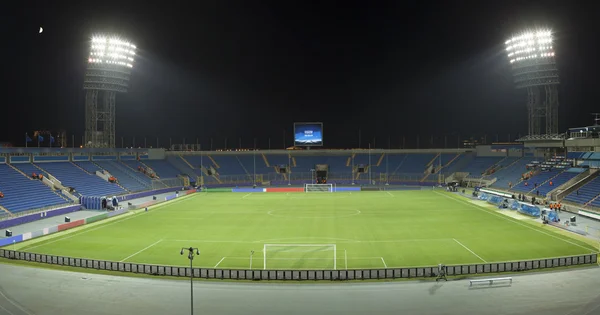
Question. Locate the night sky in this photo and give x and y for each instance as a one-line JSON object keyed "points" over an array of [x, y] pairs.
{"points": [[250, 69]]}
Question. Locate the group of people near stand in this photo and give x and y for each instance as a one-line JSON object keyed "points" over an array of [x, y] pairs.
{"points": [[37, 176]]}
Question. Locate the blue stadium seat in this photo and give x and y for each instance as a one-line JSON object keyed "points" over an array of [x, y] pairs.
{"points": [[480, 164], [511, 173], [86, 184], [162, 168], [586, 193], [22, 193], [131, 180], [536, 179]]}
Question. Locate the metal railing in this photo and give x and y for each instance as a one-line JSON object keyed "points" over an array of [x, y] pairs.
{"points": [[289, 274]]}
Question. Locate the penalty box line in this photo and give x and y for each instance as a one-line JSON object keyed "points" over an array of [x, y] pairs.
{"points": [[472, 252], [140, 251]]}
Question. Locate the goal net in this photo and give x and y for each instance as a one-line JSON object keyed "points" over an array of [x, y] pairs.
{"points": [[318, 188], [300, 256]]}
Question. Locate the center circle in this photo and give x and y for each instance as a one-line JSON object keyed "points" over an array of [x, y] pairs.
{"points": [[319, 213]]}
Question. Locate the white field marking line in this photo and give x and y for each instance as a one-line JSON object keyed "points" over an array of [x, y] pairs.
{"points": [[383, 261], [246, 195], [472, 252], [117, 220], [220, 261], [15, 304], [515, 222], [389, 193], [145, 248]]}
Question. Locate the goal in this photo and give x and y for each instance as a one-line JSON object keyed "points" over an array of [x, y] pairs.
{"points": [[319, 188], [300, 256]]}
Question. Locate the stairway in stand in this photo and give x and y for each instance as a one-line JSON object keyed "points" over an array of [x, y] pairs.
{"points": [[6, 210], [18, 170], [83, 169]]}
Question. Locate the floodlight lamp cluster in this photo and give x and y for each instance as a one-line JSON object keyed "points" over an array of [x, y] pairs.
{"points": [[530, 45], [111, 51]]}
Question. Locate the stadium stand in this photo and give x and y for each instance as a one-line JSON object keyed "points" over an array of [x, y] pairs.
{"points": [[22, 193], [229, 165], [85, 184], [128, 179], [412, 163], [538, 179], [480, 164], [457, 164], [196, 161], [88, 166], [587, 194], [511, 173], [184, 167], [162, 168], [558, 180]]}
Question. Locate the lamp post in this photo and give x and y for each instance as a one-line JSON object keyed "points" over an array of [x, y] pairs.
{"points": [[191, 252]]}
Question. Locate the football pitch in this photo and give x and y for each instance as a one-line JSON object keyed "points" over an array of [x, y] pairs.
{"points": [[315, 231]]}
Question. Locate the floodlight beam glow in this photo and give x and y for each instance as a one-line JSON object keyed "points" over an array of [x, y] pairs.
{"points": [[532, 44], [112, 50]]}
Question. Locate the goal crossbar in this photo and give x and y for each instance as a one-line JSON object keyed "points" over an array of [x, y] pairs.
{"points": [[319, 187], [332, 246]]}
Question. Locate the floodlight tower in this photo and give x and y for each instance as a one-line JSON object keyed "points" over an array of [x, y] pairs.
{"points": [[531, 55], [108, 71]]}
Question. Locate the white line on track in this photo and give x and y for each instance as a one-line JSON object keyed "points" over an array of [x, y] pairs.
{"points": [[15, 304], [472, 252], [389, 193], [220, 261], [103, 225], [246, 195], [513, 221], [145, 248], [383, 261], [9, 312]]}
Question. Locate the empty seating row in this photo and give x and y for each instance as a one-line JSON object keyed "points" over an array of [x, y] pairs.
{"points": [[531, 184], [586, 193], [480, 164], [85, 183], [126, 178], [511, 173], [22, 193]]}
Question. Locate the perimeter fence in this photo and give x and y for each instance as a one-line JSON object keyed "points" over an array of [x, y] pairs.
{"points": [[259, 274]]}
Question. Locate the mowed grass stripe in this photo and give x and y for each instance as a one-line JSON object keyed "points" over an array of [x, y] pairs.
{"points": [[413, 228]]}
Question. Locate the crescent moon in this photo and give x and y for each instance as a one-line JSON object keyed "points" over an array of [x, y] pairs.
{"points": [[41, 30]]}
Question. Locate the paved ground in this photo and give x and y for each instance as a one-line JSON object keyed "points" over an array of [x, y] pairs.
{"points": [[25, 290]]}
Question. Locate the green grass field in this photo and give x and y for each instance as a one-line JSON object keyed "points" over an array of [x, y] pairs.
{"points": [[361, 229]]}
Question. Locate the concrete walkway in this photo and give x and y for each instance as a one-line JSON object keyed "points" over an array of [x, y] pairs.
{"points": [[25, 290]]}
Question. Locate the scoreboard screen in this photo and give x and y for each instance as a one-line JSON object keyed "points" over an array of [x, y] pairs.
{"points": [[308, 134]]}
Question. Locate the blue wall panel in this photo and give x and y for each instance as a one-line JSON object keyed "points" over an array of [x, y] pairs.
{"points": [[19, 159], [347, 189], [9, 240], [58, 158], [127, 157], [103, 157]]}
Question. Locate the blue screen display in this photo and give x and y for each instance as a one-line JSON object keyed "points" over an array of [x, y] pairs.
{"points": [[308, 134]]}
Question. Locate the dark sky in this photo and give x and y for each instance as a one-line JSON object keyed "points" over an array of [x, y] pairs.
{"points": [[249, 69]]}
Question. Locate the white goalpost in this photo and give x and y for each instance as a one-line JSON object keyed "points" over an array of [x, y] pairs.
{"points": [[319, 187], [284, 255]]}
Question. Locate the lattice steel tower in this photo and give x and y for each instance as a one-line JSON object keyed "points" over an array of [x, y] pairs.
{"points": [[531, 55], [108, 71]]}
